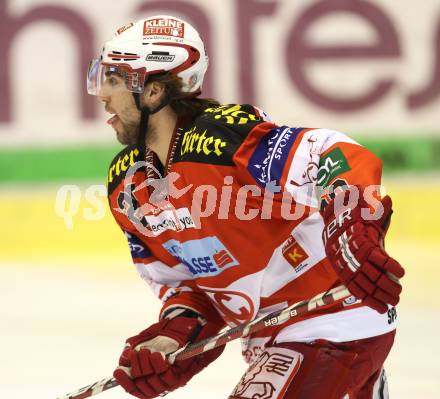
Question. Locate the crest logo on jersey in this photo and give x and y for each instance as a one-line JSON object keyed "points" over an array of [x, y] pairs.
{"points": [[294, 254], [236, 307], [164, 27], [269, 158], [204, 257]]}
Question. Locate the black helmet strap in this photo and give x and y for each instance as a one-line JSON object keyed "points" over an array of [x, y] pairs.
{"points": [[145, 115]]}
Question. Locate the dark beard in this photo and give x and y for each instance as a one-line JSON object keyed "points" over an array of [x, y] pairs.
{"points": [[129, 135]]}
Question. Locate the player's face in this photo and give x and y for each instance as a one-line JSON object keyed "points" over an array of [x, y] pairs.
{"points": [[120, 102]]}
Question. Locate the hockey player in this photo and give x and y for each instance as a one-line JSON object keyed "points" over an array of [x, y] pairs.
{"points": [[230, 216]]}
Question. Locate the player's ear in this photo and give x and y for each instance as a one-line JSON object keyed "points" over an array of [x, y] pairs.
{"points": [[153, 93]]}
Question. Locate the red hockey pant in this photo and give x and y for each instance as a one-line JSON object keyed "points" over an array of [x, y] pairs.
{"points": [[319, 370]]}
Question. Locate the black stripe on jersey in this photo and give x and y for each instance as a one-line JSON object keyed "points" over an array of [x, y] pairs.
{"points": [[215, 135]]}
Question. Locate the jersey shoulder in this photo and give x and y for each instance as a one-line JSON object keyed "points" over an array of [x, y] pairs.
{"points": [[214, 135], [119, 166]]}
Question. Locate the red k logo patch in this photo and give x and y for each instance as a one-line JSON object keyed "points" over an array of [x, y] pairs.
{"points": [[294, 253]]}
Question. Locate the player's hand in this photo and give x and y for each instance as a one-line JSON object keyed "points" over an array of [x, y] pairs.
{"points": [[143, 369], [355, 249]]}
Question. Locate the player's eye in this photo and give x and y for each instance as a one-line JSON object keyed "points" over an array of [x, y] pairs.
{"points": [[112, 81]]}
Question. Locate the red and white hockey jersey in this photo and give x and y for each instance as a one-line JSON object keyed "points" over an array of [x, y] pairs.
{"points": [[232, 228]]}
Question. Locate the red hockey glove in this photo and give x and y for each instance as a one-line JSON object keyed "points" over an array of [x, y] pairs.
{"points": [[355, 249], [144, 371]]}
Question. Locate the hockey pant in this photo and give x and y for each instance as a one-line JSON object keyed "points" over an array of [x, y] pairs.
{"points": [[318, 370]]}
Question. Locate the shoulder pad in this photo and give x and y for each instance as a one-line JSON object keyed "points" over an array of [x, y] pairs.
{"points": [[119, 166], [214, 136]]}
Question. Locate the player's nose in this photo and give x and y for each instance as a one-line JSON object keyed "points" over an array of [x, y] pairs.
{"points": [[104, 98], [104, 94]]}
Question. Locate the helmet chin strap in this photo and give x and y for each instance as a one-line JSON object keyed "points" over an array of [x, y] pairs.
{"points": [[145, 115]]}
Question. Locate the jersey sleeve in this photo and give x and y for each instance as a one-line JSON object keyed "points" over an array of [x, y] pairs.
{"points": [[173, 285], [309, 164]]}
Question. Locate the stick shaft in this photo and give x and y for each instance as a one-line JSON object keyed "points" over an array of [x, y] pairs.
{"points": [[272, 319]]}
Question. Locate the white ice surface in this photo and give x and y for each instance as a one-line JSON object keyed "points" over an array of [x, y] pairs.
{"points": [[64, 329]]}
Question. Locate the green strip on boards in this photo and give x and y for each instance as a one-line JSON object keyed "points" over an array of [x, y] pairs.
{"points": [[405, 154], [56, 164], [73, 164]]}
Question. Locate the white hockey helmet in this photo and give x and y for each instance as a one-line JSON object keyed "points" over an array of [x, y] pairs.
{"points": [[150, 46]]}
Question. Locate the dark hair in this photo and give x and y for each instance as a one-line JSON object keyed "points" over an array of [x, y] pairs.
{"points": [[182, 105]]}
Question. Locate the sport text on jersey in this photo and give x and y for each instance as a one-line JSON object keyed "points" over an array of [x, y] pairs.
{"points": [[270, 156]]}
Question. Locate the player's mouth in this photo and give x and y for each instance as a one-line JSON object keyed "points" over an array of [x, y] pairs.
{"points": [[114, 118]]}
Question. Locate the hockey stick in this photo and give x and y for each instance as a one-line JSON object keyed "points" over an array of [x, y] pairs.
{"points": [[272, 319]]}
